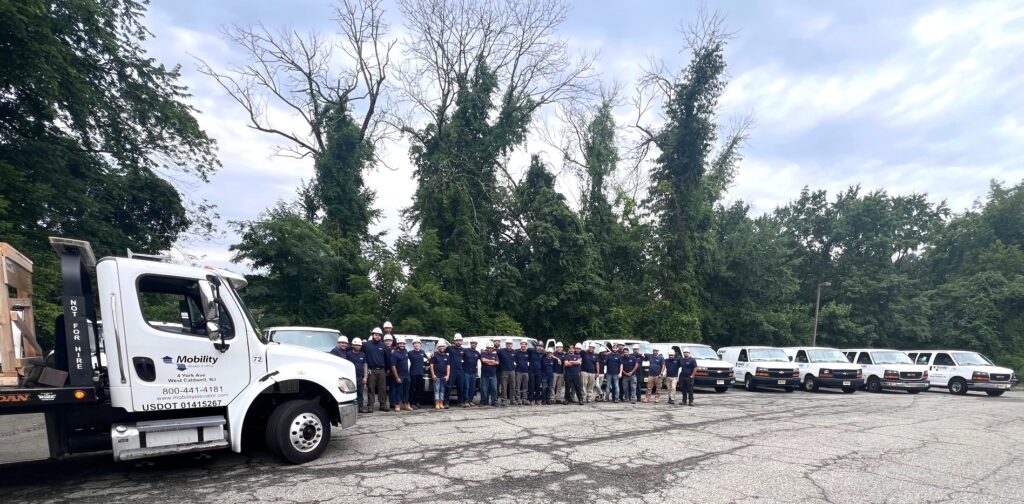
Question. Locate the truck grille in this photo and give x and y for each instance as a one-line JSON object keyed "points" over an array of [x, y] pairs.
{"points": [[907, 375], [844, 373], [780, 373], [718, 372], [999, 377]]}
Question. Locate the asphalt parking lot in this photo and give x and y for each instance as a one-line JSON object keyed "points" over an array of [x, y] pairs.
{"points": [[734, 447]]}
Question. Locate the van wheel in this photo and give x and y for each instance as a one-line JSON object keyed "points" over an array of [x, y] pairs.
{"points": [[298, 431], [957, 386], [789, 389], [874, 384], [913, 391], [995, 393], [810, 384], [748, 383], [849, 390], [723, 389]]}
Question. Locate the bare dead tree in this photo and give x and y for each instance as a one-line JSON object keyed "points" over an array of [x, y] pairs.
{"points": [[517, 39], [304, 75]]}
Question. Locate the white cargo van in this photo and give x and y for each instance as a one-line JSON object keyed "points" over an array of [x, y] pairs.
{"points": [[761, 366], [889, 369], [960, 371], [825, 367], [712, 371]]}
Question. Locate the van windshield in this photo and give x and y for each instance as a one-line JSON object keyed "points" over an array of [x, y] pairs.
{"points": [[829, 355], [702, 352], [890, 358], [767, 354], [971, 359]]}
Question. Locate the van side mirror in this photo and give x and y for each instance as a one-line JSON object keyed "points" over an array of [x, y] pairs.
{"points": [[209, 295], [790, 358]]}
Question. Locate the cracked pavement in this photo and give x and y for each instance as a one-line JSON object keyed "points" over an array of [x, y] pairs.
{"points": [[734, 447]]}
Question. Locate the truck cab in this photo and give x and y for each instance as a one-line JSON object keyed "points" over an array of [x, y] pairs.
{"points": [[822, 367], [961, 370], [889, 370], [762, 367], [186, 367]]}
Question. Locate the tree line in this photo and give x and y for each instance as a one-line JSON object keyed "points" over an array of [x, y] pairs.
{"points": [[652, 250]]}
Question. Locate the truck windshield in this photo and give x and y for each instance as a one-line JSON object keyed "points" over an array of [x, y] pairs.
{"points": [[971, 359], [829, 355], [322, 341], [890, 358], [767, 354], [245, 310], [702, 352]]}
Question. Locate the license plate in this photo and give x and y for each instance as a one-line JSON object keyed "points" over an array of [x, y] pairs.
{"points": [[1004, 386], [720, 382], [782, 382], [846, 384]]}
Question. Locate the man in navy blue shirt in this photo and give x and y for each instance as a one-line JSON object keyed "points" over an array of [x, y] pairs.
{"points": [[573, 385], [417, 360], [341, 350], [536, 356], [558, 386], [588, 370], [439, 374], [489, 377], [687, 370], [455, 362], [655, 375], [630, 368], [612, 376], [358, 359], [507, 361], [522, 373], [671, 375], [377, 359], [470, 361], [400, 373], [547, 370]]}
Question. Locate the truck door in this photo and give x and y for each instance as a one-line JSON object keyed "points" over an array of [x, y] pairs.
{"points": [[171, 362], [942, 369], [804, 364]]}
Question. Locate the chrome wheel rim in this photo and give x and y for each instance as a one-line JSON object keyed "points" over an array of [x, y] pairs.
{"points": [[305, 432]]}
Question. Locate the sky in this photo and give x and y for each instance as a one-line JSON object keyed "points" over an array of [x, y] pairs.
{"points": [[912, 97]]}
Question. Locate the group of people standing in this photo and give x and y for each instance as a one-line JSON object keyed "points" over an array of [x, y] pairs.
{"points": [[510, 376]]}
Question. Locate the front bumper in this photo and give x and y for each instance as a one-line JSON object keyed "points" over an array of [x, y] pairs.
{"points": [[347, 413], [989, 385], [712, 381], [840, 382], [905, 385], [772, 382]]}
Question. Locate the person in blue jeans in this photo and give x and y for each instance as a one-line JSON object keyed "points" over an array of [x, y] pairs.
{"points": [[489, 364], [612, 376], [400, 373], [439, 373], [470, 360], [358, 359], [630, 367], [455, 353]]}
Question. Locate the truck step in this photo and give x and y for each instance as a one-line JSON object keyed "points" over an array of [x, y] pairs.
{"points": [[163, 437]]}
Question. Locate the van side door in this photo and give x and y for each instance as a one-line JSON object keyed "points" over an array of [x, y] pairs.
{"points": [[943, 368]]}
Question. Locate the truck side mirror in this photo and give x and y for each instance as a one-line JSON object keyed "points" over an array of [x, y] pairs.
{"points": [[790, 358], [209, 296]]}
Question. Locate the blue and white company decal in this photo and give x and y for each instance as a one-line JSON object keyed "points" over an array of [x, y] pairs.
{"points": [[190, 384]]}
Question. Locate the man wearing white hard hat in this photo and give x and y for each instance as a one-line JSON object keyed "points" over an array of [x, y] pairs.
{"points": [[655, 375], [417, 369], [378, 360], [573, 383], [439, 374], [558, 387], [589, 370], [457, 380], [470, 363], [507, 365], [389, 344], [357, 357], [341, 349], [672, 374]]}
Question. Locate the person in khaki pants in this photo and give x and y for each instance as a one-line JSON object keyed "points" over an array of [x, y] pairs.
{"points": [[558, 387], [590, 369], [671, 375], [655, 374]]}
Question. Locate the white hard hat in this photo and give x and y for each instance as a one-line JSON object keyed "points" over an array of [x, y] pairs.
{"points": [[656, 349], [342, 338], [376, 330], [389, 337], [442, 344], [457, 337], [508, 342], [636, 347], [579, 346], [356, 342], [387, 325], [550, 350], [558, 345], [686, 350], [416, 340], [591, 345]]}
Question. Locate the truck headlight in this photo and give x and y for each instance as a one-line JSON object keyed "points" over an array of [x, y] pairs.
{"points": [[346, 386]]}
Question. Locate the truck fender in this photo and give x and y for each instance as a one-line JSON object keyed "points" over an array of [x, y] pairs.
{"points": [[324, 376]]}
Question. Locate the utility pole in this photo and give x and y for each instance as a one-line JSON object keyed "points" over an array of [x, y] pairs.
{"points": [[817, 307]]}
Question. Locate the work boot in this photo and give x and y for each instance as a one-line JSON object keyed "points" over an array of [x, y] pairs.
{"points": [[647, 399], [407, 407], [398, 409], [671, 401], [655, 399], [691, 403]]}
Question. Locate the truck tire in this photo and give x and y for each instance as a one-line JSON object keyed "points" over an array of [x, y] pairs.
{"points": [[748, 383], [810, 385], [721, 389], [957, 386], [849, 390], [995, 393], [874, 384], [298, 431]]}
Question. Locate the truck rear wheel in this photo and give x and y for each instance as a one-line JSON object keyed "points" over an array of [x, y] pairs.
{"points": [[298, 431], [957, 386], [721, 389], [995, 393]]}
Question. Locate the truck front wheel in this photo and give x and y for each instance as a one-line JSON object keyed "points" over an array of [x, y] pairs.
{"points": [[298, 431]]}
